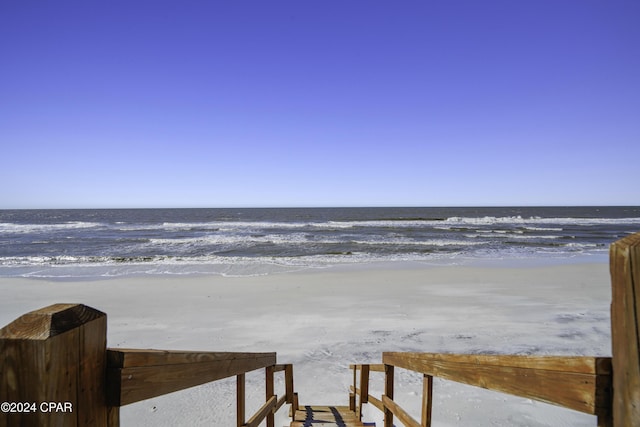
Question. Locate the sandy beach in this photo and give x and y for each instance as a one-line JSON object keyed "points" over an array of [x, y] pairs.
{"points": [[321, 320]]}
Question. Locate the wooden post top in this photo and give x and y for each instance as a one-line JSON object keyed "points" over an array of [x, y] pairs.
{"points": [[49, 321]]}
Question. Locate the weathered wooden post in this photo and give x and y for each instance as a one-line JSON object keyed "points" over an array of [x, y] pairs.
{"points": [[53, 368], [364, 389], [240, 399], [427, 400], [270, 391], [388, 394], [625, 330], [288, 379]]}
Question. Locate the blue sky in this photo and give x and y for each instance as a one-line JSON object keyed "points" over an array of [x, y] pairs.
{"points": [[319, 103]]}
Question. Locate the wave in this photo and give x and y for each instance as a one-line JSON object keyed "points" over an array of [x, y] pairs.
{"points": [[10, 228], [303, 239], [455, 223], [518, 220]]}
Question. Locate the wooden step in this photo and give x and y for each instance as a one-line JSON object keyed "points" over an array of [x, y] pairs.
{"points": [[325, 416], [327, 424]]}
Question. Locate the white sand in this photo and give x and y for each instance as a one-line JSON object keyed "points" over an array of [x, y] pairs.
{"points": [[322, 320]]}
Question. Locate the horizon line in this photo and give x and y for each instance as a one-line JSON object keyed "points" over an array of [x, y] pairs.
{"points": [[329, 207]]}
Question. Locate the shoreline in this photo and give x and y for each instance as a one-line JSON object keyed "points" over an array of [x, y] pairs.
{"points": [[89, 273]]}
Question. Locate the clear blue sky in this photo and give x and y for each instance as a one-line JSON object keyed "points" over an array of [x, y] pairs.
{"points": [[319, 103]]}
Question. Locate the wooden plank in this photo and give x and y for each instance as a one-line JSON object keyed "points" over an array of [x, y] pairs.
{"points": [[321, 408], [55, 354], [270, 392], [325, 413], [579, 383], [295, 404], [378, 367], [131, 357], [279, 404], [93, 363], [427, 400], [113, 416], [279, 368], [364, 384], [376, 402], [328, 424], [397, 411], [144, 375], [625, 329], [324, 416], [565, 364], [240, 399], [262, 413], [354, 389], [288, 381], [388, 391]]}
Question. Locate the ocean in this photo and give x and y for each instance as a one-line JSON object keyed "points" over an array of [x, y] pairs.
{"points": [[99, 243]]}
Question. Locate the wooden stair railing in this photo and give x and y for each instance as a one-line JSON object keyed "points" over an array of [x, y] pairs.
{"points": [[59, 354], [579, 383], [608, 388]]}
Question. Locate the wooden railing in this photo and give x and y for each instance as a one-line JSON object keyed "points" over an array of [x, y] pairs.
{"points": [[58, 354], [579, 383], [608, 388]]}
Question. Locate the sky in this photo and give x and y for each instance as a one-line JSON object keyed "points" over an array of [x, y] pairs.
{"points": [[116, 104]]}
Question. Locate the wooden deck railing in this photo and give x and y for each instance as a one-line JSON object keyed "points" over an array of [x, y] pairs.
{"points": [[59, 354], [608, 388], [579, 383]]}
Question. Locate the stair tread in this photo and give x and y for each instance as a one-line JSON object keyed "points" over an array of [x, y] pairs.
{"points": [[325, 416]]}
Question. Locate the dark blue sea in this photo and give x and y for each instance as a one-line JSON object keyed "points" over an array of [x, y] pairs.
{"points": [[119, 242]]}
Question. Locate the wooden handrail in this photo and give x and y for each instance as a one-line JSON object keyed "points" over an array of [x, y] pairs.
{"points": [[397, 411], [579, 383], [272, 403], [134, 375], [58, 353], [262, 413], [585, 384]]}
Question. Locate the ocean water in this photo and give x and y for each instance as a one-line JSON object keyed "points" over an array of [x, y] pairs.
{"points": [[119, 242]]}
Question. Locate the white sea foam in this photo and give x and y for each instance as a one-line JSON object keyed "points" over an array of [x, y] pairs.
{"points": [[528, 223], [491, 220], [10, 228], [425, 242], [489, 234], [543, 228]]}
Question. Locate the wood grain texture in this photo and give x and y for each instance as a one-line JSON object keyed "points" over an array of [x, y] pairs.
{"points": [[625, 329], [388, 392], [138, 375], [262, 413], [270, 392], [399, 413], [288, 379], [427, 400], [325, 416], [580, 383], [240, 399], [55, 354], [50, 321]]}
